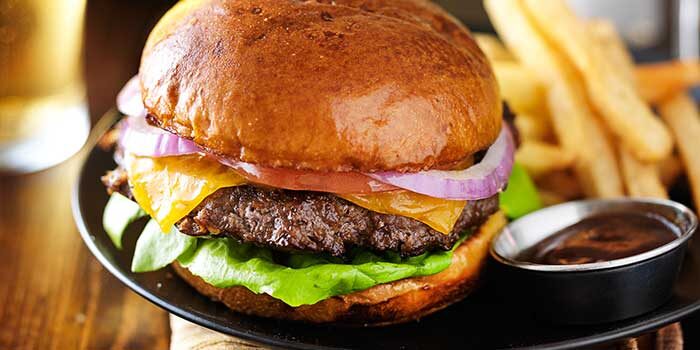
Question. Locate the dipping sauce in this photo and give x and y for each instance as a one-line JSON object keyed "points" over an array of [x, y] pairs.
{"points": [[601, 238]]}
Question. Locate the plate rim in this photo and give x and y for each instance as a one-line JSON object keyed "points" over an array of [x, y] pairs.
{"points": [[88, 238]]}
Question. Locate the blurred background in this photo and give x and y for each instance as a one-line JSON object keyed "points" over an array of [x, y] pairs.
{"points": [[62, 63]]}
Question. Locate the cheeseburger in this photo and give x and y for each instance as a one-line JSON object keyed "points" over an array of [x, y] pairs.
{"points": [[321, 161]]}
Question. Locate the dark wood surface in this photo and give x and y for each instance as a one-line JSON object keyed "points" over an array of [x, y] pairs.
{"points": [[53, 293]]}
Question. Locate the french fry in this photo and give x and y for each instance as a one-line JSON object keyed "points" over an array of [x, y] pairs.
{"points": [[519, 86], [654, 81], [539, 158], [669, 170], [567, 105], [641, 179], [533, 127], [616, 99], [574, 123], [524, 41], [681, 115], [598, 169], [614, 48], [493, 47], [596, 166], [659, 81]]}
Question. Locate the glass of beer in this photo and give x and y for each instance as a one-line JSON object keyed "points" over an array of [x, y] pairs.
{"points": [[43, 110]]}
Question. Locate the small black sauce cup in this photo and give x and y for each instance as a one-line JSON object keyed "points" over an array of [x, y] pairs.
{"points": [[597, 292]]}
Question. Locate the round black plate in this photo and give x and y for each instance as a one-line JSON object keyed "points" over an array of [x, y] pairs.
{"points": [[486, 320]]}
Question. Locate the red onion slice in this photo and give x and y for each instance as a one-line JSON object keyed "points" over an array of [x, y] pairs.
{"points": [[479, 181], [140, 138], [129, 99]]}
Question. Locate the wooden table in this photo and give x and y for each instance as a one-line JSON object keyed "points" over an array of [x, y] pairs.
{"points": [[53, 293]]}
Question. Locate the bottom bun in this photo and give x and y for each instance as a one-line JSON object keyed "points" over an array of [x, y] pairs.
{"points": [[399, 301]]}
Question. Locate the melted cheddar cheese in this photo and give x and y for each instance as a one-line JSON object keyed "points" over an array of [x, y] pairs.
{"points": [[169, 188], [440, 214]]}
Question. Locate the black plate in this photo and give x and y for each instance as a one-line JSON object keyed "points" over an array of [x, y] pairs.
{"points": [[483, 321]]}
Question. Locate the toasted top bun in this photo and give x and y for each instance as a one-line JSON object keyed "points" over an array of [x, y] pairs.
{"points": [[340, 85]]}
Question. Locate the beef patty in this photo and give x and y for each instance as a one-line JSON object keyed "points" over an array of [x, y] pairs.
{"points": [[312, 221]]}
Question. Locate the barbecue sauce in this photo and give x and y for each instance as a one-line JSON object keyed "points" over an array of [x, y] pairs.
{"points": [[602, 238]]}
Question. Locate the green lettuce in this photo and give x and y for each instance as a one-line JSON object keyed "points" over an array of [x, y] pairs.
{"points": [[521, 196], [299, 279], [118, 214], [156, 249], [296, 279]]}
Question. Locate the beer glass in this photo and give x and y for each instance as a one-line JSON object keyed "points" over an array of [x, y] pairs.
{"points": [[43, 111]]}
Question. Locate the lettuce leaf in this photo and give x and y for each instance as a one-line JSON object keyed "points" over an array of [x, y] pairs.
{"points": [[300, 279], [521, 196], [155, 249], [118, 214]]}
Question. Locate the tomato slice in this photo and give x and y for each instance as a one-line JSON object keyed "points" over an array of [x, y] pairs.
{"points": [[304, 180]]}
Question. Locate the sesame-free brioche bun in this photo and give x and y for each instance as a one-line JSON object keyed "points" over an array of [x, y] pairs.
{"points": [[342, 85], [400, 301]]}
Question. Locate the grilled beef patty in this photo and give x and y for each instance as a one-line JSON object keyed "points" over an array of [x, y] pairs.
{"points": [[312, 221]]}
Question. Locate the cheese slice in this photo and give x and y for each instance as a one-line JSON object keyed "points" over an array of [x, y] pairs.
{"points": [[440, 214], [168, 188]]}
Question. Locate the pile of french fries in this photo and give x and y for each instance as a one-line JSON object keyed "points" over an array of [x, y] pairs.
{"points": [[585, 111]]}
